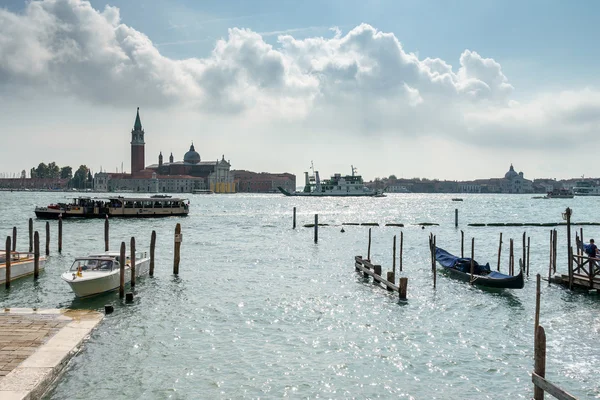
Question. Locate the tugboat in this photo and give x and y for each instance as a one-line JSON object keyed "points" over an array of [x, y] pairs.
{"points": [[336, 186]]}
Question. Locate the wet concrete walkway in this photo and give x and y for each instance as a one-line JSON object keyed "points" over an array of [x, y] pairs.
{"points": [[36, 345]]}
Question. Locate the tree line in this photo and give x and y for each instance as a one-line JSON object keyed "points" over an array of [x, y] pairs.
{"points": [[81, 179]]}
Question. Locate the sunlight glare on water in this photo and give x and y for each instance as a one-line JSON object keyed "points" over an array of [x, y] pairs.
{"points": [[261, 311]]}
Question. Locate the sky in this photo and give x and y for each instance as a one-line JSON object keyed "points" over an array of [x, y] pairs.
{"points": [[430, 89]]}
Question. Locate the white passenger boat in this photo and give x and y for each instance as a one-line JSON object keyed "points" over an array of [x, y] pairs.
{"points": [[99, 273], [586, 188], [336, 186], [21, 264], [116, 206]]}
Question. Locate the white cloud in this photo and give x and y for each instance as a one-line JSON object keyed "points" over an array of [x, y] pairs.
{"points": [[360, 83]]}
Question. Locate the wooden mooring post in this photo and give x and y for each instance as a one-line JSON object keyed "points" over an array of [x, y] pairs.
{"points": [[369, 269], [152, 247], [538, 376], [47, 238], [106, 228], [36, 255], [176, 256], [499, 250], [8, 262], [472, 280], [402, 288], [60, 234], [456, 217], [434, 265], [528, 247], [132, 260], [555, 251], [30, 235], [524, 249], [462, 244], [401, 244], [369, 248], [14, 239], [567, 216], [391, 275], [316, 228], [511, 258], [294, 219], [122, 271]]}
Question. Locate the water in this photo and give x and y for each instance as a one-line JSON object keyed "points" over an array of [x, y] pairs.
{"points": [[260, 311]]}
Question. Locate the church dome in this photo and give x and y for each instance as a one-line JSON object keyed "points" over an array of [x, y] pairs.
{"points": [[511, 173], [191, 157]]}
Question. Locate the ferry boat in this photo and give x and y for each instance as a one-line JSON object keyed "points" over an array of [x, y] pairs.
{"points": [[100, 273], [337, 185], [117, 206], [560, 194], [586, 188]]}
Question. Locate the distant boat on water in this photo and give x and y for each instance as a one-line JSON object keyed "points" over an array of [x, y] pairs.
{"points": [[336, 186], [586, 188], [560, 194]]}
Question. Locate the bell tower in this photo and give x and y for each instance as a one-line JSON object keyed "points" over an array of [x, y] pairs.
{"points": [[137, 145]]}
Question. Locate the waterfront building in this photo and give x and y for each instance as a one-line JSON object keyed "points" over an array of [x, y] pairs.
{"points": [[173, 177], [263, 182]]}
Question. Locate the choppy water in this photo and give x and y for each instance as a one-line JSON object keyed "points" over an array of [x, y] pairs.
{"points": [[261, 311]]}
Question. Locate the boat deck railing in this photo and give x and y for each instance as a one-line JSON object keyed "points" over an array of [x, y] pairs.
{"points": [[16, 256]]}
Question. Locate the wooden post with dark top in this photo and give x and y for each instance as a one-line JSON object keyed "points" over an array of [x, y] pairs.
{"points": [[511, 258], [539, 365], [462, 244], [176, 256], [152, 246], [47, 238], [569, 249], [316, 228], [538, 280], [528, 247], [434, 264], [472, 260], [551, 252], [30, 235], [394, 256], [132, 260], [580, 249], [524, 248], [294, 219], [36, 255], [122, 271], [555, 252], [456, 217], [499, 250], [14, 239], [8, 262], [401, 245], [402, 288], [369, 248], [60, 234], [106, 227]]}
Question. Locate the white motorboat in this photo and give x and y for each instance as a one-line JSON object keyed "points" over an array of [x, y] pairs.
{"points": [[22, 264], [99, 273]]}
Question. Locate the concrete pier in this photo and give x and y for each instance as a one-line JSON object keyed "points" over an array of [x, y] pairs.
{"points": [[36, 345]]}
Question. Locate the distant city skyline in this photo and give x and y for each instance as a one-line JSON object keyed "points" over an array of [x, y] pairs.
{"points": [[412, 89]]}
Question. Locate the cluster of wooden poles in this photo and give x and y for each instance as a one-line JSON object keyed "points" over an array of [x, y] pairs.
{"points": [[34, 247], [374, 270]]}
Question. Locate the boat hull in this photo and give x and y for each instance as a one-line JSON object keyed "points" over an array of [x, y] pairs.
{"points": [[92, 283], [328, 194], [43, 213], [20, 269], [511, 282]]}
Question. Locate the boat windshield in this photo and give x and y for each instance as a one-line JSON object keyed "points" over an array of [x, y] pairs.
{"points": [[89, 264]]}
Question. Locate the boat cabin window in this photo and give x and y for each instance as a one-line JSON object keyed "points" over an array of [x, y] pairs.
{"points": [[129, 204], [91, 265]]}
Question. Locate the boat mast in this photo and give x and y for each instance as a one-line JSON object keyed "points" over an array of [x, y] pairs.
{"points": [[353, 169]]}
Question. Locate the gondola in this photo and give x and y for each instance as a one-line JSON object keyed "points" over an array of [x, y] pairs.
{"points": [[460, 268]]}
